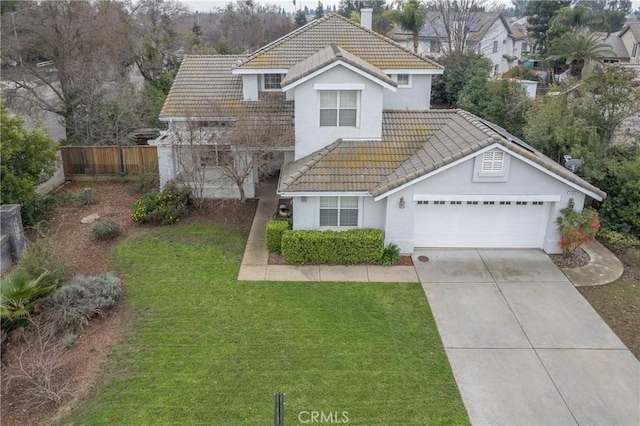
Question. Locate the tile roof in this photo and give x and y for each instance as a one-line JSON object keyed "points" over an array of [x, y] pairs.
{"points": [[328, 55], [413, 144], [368, 45], [200, 80], [204, 89]]}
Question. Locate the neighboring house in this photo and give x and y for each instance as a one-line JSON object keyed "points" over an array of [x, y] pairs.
{"points": [[630, 36], [368, 151], [488, 33]]}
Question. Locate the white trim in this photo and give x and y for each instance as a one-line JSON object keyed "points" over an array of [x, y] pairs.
{"points": [[335, 64], [412, 71], [482, 151], [329, 86], [325, 194], [491, 197], [239, 71]]}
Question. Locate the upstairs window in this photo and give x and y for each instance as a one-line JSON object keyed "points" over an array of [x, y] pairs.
{"points": [[435, 46], [404, 80], [634, 50], [338, 108], [339, 211], [495, 47], [272, 81]]}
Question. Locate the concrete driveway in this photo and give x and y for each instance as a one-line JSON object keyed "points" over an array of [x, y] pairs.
{"points": [[524, 346]]}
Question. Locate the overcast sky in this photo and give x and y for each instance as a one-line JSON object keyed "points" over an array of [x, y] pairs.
{"points": [[207, 5]]}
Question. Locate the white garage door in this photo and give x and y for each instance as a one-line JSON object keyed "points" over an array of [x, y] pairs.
{"points": [[513, 224]]}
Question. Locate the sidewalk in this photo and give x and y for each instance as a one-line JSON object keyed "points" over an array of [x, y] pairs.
{"points": [[255, 261], [604, 267]]}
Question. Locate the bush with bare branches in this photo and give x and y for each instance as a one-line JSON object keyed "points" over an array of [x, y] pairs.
{"points": [[37, 368]]}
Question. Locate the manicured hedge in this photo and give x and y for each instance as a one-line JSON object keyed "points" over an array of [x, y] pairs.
{"points": [[275, 228], [362, 245]]}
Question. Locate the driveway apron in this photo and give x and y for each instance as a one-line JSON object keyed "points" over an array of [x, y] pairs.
{"points": [[525, 347]]}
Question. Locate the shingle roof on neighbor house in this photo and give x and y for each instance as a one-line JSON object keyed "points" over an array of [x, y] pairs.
{"points": [[368, 45], [414, 143], [327, 56], [617, 46], [434, 27]]}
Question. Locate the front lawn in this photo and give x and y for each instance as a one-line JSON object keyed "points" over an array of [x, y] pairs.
{"points": [[206, 349]]}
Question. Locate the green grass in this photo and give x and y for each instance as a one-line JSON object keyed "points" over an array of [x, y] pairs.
{"points": [[206, 349]]}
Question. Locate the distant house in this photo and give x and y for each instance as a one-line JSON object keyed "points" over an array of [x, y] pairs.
{"points": [[488, 33], [630, 37], [361, 146]]}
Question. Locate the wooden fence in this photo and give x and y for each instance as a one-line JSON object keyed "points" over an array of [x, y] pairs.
{"points": [[104, 161]]}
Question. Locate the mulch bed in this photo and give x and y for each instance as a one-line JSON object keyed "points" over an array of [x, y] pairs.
{"points": [[574, 260]]}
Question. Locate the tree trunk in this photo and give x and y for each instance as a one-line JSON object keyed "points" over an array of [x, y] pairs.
{"points": [[243, 197], [415, 41], [576, 69]]}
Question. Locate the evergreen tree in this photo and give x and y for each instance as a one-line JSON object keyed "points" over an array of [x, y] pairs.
{"points": [[319, 10], [539, 15], [300, 18]]}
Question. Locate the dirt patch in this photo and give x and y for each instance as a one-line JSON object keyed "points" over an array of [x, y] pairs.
{"points": [[226, 212], [574, 260]]}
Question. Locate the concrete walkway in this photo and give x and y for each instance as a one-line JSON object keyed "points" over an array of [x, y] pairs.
{"points": [[524, 346], [255, 261], [604, 267]]}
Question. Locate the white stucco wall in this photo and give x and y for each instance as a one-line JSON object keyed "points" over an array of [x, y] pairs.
{"points": [[523, 180], [306, 215], [166, 166], [310, 137], [416, 97]]}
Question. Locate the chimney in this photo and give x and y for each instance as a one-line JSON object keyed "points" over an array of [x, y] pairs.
{"points": [[366, 16]]}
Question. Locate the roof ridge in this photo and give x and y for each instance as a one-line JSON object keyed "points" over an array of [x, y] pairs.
{"points": [[287, 36], [317, 22], [319, 155]]}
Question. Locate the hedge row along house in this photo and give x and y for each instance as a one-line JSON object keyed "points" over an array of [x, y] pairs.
{"points": [[344, 114]]}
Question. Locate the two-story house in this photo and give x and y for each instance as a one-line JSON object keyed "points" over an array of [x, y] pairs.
{"points": [[366, 150], [487, 33]]}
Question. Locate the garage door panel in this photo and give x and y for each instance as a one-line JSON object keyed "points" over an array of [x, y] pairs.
{"points": [[463, 225]]}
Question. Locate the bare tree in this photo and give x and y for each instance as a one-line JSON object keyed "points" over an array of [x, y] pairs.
{"points": [[88, 43], [233, 144], [456, 21]]}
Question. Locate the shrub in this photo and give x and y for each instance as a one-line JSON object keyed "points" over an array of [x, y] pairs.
{"points": [[390, 255], [164, 208], [19, 292], [70, 340], [41, 256], [72, 306], [106, 229], [146, 182], [275, 228], [576, 228], [619, 240], [363, 245]]}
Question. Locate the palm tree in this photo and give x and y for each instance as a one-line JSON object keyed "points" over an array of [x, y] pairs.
{"points": [[410, 15], [576, 48]]}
